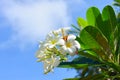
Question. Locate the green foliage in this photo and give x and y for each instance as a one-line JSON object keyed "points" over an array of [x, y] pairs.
{"points": [[100, 46], [94, 17], [116, 3], [81, 22]]}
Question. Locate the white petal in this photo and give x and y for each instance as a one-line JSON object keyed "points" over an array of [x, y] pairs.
{"points": [[63, 50], [69, 51], [73, 48], [76, 44], [57, 31], [51, 46], [48, 65], [57, 62], [39, 53], [71, 37], [61, 42]]}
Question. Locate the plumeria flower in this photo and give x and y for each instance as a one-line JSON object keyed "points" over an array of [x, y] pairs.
{"points": [[50, 63], [54, 49], [52, 40], [70, 44]]}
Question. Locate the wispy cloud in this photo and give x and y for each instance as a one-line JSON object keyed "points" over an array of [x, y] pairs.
{"points": [[32, 20]]}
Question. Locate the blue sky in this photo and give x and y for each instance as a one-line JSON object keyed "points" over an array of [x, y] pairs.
{"points": [[23, 23]]}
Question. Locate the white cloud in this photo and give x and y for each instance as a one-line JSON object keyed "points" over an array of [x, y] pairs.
{"points": [[32, 20]]}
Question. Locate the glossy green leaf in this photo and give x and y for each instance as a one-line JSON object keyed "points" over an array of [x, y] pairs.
{"points": [[117, 39], [87, 39], [92, 38], [81, 43], [81, 22], [94, 17], [85, 60], [72, 79], [110, 21], [88, 55], [72, 65]]}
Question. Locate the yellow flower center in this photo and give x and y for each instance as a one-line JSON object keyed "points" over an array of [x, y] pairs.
{"points": [[68, 44], [53, 41]]}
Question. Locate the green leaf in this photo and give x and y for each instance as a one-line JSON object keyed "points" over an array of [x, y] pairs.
{"points": [[116, 4], [117, 44], [85, 60], [81, 22], [92, 38], [94, 17], [79, 40], [72, 65], [72, 79], [109, 28], [88, 55], [118, 26], [88, 39], [110, 22]]}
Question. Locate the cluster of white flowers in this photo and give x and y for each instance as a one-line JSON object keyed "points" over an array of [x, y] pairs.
{"points": [[57, 45]]}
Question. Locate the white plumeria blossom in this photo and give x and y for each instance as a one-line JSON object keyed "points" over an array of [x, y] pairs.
{"points": [[70, 45], [55, 48], [52, 40]]}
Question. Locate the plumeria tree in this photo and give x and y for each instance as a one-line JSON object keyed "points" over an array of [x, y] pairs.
{"points": [[116, 3], [97, 44]]}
